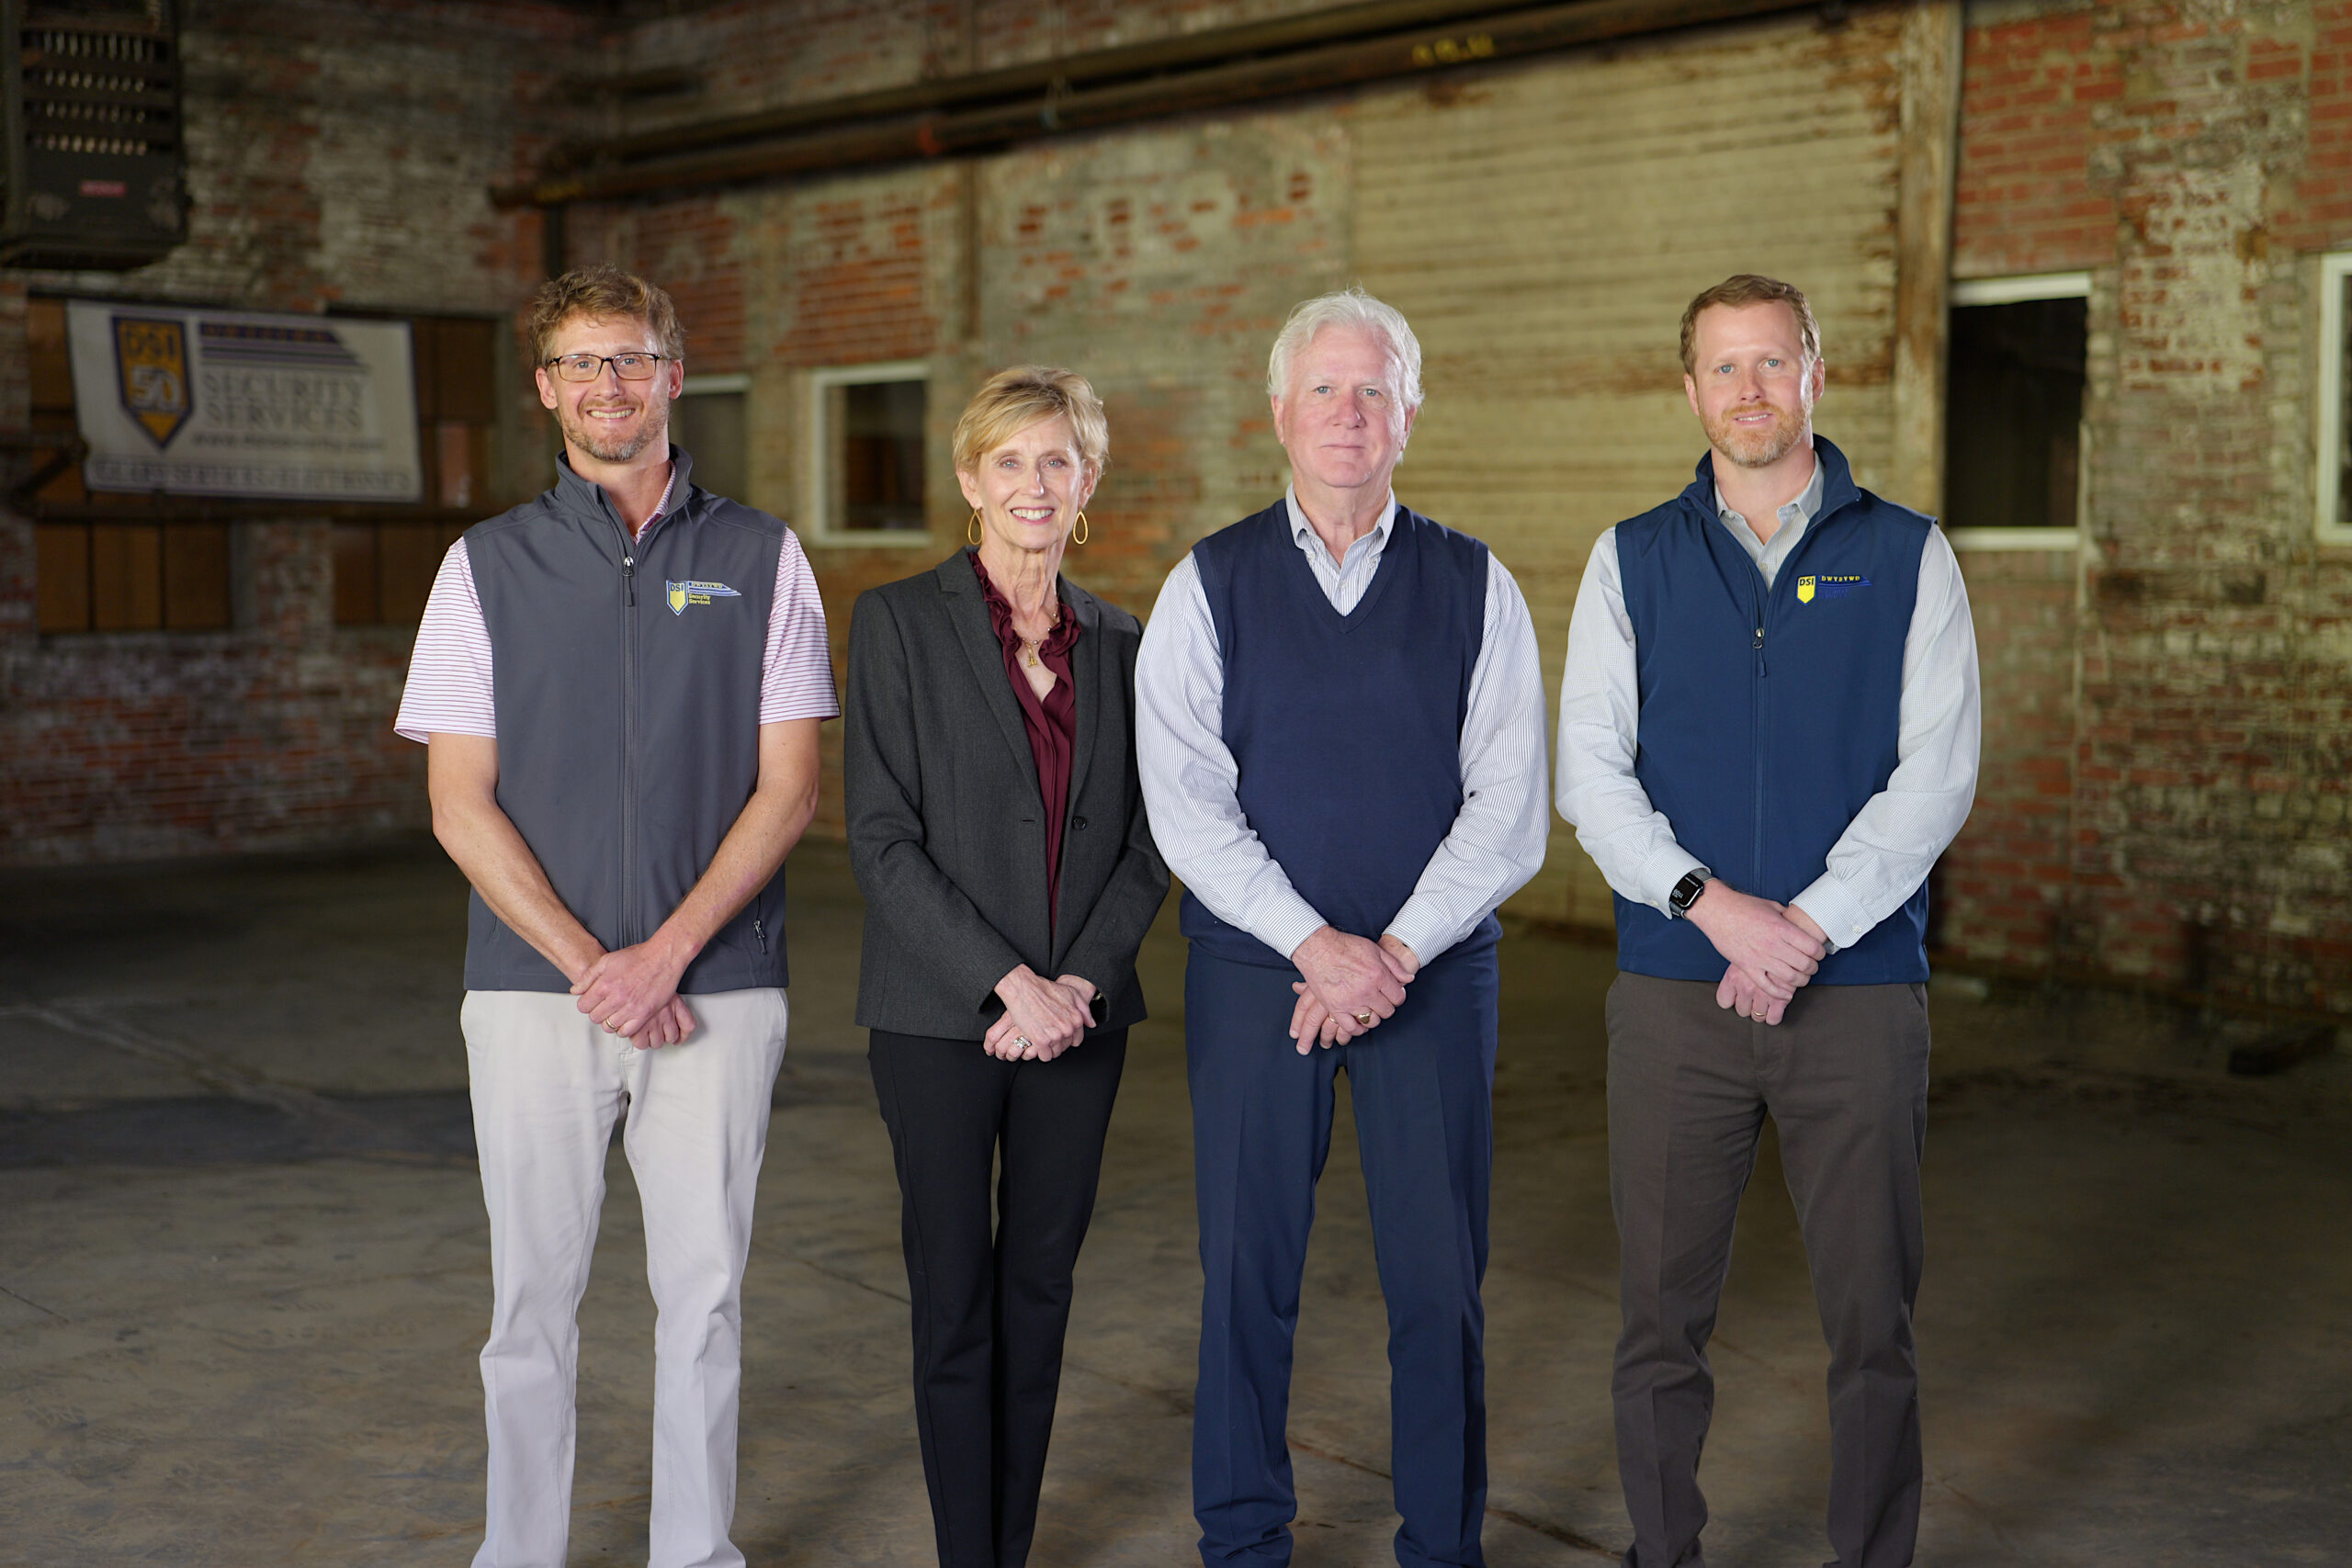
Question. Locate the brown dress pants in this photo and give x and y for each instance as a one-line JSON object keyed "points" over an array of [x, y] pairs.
{"points": [[1844, 1077]]}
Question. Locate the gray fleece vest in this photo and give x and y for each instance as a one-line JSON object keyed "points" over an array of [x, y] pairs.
{"points": [[626, 675]]}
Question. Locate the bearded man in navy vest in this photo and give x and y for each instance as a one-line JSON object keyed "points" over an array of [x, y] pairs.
{"points": [[1341, 727], [1767, 733]]}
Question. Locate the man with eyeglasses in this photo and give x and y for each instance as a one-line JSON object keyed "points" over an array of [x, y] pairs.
{"points": [[621, 683]]}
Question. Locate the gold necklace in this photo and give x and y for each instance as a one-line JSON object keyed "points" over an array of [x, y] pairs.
{"points": [[1030, 645]]}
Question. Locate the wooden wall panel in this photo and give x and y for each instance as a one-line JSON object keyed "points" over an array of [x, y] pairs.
{"points": [[61, 575], [196, 576], [126, 576]]}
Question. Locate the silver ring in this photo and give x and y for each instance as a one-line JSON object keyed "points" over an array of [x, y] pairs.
{"points": [[1023, 1040]]}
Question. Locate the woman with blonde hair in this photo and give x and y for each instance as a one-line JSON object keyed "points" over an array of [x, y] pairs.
{"points": [[997, 829]]}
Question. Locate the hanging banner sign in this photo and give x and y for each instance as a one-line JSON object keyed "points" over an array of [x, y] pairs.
{"points": [[230, 402]]}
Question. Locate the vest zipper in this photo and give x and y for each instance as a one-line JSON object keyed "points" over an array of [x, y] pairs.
{"points": [[1756, 742], [759, 927], [631, 923]]}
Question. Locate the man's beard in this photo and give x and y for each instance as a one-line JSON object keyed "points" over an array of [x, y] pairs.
{"points": [[655, 426], [1756, 448]]}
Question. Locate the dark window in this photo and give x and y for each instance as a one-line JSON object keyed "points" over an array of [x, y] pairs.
{"points": [[876, 477], [2013, 419]]}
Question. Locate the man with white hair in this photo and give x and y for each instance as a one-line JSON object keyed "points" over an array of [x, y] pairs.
{"points": [[1340, 720]]}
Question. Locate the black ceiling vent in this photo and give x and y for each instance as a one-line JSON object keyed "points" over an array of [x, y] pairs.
{"points": [[92, 170]]}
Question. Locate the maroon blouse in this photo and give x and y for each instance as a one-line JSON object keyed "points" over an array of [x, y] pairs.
{"points": [[1052, 724]]}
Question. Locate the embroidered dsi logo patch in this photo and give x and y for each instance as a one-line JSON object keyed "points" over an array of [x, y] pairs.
{"points": [[1811, 588], [685, 593]]}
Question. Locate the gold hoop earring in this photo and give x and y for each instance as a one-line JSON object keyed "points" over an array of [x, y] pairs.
{"points": [[1078, 535], [972, 529]]}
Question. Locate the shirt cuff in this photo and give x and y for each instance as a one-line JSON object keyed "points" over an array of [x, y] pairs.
{"points": [[1836, 910], [1291, 922], [1422, 927], [1654, 882]]}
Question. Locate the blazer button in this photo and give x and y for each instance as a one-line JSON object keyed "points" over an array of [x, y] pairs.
{"points": [[1078, 821]]}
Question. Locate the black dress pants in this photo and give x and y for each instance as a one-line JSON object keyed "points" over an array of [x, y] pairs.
{"points": [[990, 1281]]}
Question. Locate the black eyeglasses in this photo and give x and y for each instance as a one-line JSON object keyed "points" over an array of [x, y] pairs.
{"points": [[631, 367]]}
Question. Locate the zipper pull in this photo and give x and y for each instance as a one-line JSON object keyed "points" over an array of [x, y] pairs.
{"points": [[628, 578], [1759, 652], [760, 933]]}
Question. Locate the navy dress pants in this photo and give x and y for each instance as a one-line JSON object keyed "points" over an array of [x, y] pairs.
{"points": [[1422, 1083]]}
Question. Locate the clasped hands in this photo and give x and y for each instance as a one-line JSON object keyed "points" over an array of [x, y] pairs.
{"points": [[1772, 949], [1351, 984], [1041, 1018], [633, 992]]}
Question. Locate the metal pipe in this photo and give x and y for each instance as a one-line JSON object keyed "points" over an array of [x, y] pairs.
{"points": [[913, 138], [1210, 46]]}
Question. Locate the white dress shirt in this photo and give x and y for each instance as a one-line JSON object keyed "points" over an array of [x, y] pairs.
{"points": [[1189, 778], [1885, 851]]}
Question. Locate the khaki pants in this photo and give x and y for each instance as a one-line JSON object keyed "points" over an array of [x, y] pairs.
{"points": [[548, 1085]]}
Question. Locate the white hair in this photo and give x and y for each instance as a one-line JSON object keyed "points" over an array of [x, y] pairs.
{"points": [[1350, 307]]}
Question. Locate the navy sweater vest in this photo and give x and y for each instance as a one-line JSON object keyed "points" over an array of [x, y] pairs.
{"points": [[1769, 718], [1347, 730]]}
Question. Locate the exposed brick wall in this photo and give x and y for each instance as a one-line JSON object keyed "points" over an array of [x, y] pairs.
{"points": [[2002, 887], [147, 744], [2168, 716], [338, 153], [2025, 200], [2193, 159]]}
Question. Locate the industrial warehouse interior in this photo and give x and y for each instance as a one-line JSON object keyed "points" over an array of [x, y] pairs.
{"points": [[2082, 276]]}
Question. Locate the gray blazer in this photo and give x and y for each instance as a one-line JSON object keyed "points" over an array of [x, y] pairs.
{"points": [[944, 813]]}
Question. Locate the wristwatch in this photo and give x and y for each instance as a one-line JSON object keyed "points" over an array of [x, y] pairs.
{"points": [[1686, 892]]}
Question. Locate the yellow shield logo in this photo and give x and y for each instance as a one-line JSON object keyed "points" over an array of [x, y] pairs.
{"points": [[677, 598], [151, 368], [1804, 589]]}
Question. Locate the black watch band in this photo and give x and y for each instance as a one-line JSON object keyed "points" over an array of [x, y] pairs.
{"points": [[1686, 892]]}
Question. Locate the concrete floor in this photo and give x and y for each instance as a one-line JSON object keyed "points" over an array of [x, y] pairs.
{"points": [[244, 1273]]}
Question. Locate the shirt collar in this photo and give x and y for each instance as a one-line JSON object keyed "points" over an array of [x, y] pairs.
{"points": [[1799, 512], [1303, 533], [661, 507]]}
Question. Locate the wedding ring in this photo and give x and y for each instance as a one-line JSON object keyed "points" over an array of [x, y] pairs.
{"points": [[1023, 1040], [1364, 1016]]}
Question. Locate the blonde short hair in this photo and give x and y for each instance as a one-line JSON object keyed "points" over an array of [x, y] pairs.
{"points": [[1745, 288], [597, 292], [1012, 401]]}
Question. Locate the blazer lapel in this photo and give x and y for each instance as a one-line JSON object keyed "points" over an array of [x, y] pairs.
{"points": [[1088, 669], [960, 587]]}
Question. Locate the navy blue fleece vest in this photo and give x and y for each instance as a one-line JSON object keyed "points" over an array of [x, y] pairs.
{"points": [[1767, 719], [1347, 730], [626, 677]]}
